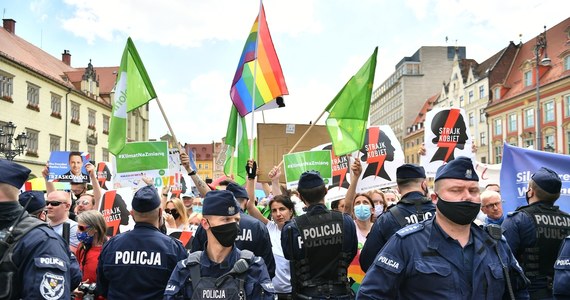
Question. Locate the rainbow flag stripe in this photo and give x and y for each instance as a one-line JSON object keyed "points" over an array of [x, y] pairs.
{"points": [[269, 80]]}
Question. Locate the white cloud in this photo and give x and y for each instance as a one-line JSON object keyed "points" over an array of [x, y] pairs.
{"points": [[183, 23]]}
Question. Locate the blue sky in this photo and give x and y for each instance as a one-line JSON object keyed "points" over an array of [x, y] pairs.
{"points": [[191, 47]]}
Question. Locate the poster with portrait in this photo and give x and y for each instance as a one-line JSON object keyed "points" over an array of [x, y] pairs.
{"points": [[68, 166], [446, 136], [115, 207]]}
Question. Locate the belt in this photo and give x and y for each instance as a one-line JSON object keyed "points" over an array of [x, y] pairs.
{"points": [[283, 296]]}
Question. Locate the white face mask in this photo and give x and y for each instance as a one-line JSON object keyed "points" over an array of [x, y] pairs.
{"points": [[378, 210]]}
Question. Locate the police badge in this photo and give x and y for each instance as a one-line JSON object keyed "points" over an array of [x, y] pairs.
{"points": [[468, 174], [52, 286], [231, 211]]}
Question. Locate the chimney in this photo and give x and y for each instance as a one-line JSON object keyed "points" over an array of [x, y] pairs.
{"points": [[66, 57], [10, 25]]}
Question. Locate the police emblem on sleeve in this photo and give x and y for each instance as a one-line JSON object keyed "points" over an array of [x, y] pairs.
{"points": [[52, 286]]}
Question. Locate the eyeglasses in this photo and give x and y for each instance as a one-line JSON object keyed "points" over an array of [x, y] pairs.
{"points": [[170, 211], [83, 228], [53, 203], [492, 205], [84, 202]]}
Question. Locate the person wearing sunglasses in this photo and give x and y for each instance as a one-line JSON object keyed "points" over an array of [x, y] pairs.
{"points": [[91, 229], [58, 204], [175, 214], [84, 203], [492, 207]]}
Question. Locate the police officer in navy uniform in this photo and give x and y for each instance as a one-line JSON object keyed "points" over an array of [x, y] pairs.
{"points": [[138, 263], [222, 271], [320, 245], [535, 231], [448, 256], [38, 265], [414, 207], [253, 235], [561, 286]]}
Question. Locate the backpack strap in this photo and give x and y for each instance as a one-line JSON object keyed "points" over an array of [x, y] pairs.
{"points": [[193, 262], [395, 211]]}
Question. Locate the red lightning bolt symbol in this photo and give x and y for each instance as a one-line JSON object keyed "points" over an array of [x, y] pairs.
{"points": [[108, 209], [341, 171], [449, 124], [373, 136]]}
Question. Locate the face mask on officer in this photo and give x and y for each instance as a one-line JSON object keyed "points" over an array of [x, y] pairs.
{"points": [[426, 190], [462, 212], [362, 212], [527, 197], [226, 234]]}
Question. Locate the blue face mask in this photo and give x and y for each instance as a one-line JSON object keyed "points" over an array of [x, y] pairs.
{"points": [[197, 209], [362, 212], [85, 238]]}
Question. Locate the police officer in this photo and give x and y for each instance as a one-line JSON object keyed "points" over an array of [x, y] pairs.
{"points": [[561, 286], [535, 231], [38, 264], [222, 271], [412, 208], [253, 235], [35, 204], [320, 244], [448, 256], [138, 263]]}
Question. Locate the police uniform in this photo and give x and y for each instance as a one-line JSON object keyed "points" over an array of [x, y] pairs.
{"points": [[40, 257], [320, 245], [561, 286], [198, 277], [534, 233], [254, 235], [138, 263]]}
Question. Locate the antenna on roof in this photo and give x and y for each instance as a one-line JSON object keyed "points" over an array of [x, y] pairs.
{"points": [[4, 13]]}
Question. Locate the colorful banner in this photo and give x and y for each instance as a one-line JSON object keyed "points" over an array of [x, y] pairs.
{"points": [[297, 163], [68, 166], [340, 174], [115, 207], [446, 136], [517, 168], [142, 159]]}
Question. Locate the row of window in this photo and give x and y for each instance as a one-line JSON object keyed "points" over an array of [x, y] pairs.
{"points": [[529, 142], [528, 75]]}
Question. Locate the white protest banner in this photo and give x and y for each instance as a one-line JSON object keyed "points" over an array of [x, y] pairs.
{"points": [[446, 136], [115, 207]]}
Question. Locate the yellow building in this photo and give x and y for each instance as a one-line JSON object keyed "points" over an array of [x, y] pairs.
{"points": [[60, 108], [204, 158]]}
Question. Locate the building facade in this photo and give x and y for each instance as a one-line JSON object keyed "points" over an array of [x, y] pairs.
{"points": [[204, 158], [415, 133], [60, 108]]}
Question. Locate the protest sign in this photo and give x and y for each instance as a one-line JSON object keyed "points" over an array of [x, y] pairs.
{"points": [[446, 136], [68, 166], [142, 159], [517, 167], [340, 174], [179, 181], [297, 163], [115, 207], [184, 236], [104, 175]]}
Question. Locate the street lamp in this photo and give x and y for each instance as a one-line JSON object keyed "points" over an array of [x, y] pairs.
{"points": [[7, 140], [540, 45]]}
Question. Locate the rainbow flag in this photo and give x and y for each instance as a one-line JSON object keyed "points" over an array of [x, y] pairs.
{"points": [[258, 53]]}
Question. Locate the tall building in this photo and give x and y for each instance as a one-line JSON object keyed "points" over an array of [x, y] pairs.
{"points": [[416, 78], [59, 107]]}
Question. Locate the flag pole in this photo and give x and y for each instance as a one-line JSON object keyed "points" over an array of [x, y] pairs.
{"points": [[302, 137], [254, 82], [168, 125]]}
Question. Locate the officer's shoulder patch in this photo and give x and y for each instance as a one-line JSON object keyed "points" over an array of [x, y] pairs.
{"points": [[192, 259], [410, 229], [388, 262], [246, 254], [52, 286]]}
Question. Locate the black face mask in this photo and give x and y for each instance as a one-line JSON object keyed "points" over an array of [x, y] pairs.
{"points": [[426, 192], [226, 234], [527, 197], [462, 213]]}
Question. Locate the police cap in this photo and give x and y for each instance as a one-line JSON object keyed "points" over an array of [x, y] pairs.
{"points": [[220, 203], [36, 200], [410, 171], [310, 179], [237, 190], [547, 180], [459, 168], [146, 199], [12, 173]]}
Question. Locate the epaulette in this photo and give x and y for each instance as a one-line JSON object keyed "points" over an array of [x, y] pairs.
{"points": [[410, 229], [192, 259]]}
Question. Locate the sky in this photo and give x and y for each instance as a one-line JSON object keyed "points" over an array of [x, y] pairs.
{"points": [[191, 48]]}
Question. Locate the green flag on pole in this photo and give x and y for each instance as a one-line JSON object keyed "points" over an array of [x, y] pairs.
{"points": [[238, 148], [132, 90], [348, 111]]}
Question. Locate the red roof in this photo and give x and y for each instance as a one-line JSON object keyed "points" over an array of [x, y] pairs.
{"points": [[201, 151], [428, 105]]}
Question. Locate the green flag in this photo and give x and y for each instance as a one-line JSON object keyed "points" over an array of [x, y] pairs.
{"points": [[132, 90], [236, 139], [348, 111]]}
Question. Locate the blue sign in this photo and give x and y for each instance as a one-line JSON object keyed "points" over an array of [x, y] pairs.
{"points": [[517, 168]]}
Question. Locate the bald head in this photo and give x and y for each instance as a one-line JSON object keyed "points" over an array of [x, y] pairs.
{"points": [[60, 196]]}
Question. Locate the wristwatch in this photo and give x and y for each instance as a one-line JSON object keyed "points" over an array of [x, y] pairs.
{"points": [[193, 172]]}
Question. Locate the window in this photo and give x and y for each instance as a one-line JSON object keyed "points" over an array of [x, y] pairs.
{"points": [[567, 63], [549, 112], [512, 122], [92, 119], [529, 118], [498, 127], [567, 106], [33, 96], [6, 87], [206, 166], [105, 124], [199, 166], [527, 77], [54, 143], [75, 112], [55, 105], [529, 142], [91, 150], [484, 160], [470, 97], [461, 104], [32, 149], [498, 154], [471, 119], [73, 145], [482, 115], [483, 138], [549, 141], [105, 154], [497, 93], [568, 142], [481, 91]]}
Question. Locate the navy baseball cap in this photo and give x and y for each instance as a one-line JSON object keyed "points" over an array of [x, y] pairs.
{"points": [[237, 190], [146, 199], [13, 174], [459, 168], [548, 180], [220, 203], [36, 200], [310, 179], [409, 171]]}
